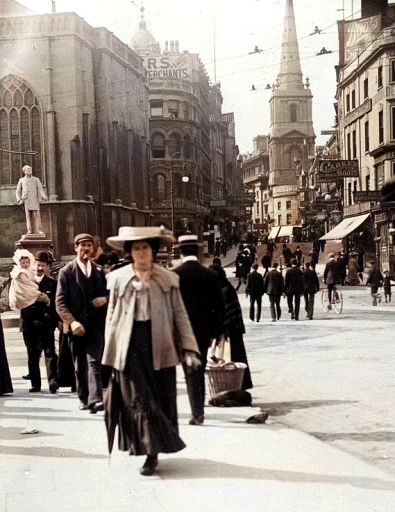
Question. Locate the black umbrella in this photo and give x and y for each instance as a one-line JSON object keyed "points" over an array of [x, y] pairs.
{"points": [[112, 409]]}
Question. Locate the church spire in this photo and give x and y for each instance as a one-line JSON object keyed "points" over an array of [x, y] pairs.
{"points": [[290, 75]]}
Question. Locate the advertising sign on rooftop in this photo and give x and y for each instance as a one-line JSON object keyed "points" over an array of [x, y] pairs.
{"points": [[165, 67]]}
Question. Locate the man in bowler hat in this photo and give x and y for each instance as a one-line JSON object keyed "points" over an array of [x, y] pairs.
{"points": [[201, 292], [80, 302]]}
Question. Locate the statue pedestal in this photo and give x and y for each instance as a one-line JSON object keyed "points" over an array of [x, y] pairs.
{"points": [[34, 242]]}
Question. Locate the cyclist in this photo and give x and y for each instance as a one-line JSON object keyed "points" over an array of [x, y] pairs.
{"points": [[331, 277]]}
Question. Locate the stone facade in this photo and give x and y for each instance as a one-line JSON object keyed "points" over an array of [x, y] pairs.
{"points": [[73, 103], [179, 133], [292, 134], [366, 116], [255, 168]]}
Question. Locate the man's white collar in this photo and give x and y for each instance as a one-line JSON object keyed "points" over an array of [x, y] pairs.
{"points": [[189, 258]]}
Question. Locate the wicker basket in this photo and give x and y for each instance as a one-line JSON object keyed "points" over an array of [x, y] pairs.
{"points": [[226, 377]]}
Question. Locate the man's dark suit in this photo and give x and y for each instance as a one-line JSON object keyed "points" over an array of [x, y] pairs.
{"points": [[311, 287], [202, 295], [38, 324], [274, 287], [294, 287], [74, 303], [255, 290]]}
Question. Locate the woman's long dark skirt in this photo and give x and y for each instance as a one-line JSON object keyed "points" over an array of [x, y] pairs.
{"points": [[5, 377], [148, 419]]}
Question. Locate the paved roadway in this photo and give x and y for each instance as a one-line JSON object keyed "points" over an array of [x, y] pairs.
{"points": [[328, 445], [332, 377]]}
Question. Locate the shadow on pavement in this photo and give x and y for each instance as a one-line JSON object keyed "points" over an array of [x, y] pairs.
{"points": [[355, 436], [48, 451], [284, 408], [183, 469]]}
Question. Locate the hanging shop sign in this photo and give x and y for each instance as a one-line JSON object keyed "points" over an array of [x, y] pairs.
{"points": [[335, 170], [367, 195]]}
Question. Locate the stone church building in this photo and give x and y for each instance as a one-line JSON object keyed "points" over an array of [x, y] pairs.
{"points": [[73, 104]]}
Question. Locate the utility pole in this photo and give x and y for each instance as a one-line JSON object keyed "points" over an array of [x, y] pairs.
{"points": [[53, 6]]}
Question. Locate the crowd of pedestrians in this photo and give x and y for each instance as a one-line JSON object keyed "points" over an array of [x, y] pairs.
{"points": [[125, 324]]}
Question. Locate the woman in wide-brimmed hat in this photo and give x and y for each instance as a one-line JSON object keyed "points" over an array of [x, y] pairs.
{"points": [[147, 334]]}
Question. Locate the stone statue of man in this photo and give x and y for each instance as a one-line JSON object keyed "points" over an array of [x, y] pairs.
{"points": [[29, 192]]}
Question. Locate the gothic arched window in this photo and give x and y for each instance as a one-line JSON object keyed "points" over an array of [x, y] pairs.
{"points": [[20, 131]]}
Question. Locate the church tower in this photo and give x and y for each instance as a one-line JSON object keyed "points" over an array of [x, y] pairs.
{"points": [[291, 134]]}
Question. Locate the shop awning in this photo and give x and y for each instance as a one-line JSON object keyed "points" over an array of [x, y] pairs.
{"points": [[274, 232], [345, 227], [286, 231]]}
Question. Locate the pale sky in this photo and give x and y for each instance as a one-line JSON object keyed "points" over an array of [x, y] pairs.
{"points": [[239, 26]]}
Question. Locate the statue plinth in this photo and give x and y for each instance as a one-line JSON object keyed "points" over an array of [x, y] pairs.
{"points": [[34, 242]]}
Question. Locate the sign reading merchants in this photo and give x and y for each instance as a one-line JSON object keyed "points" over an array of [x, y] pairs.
{"points": [[335, 170], [178, 67]]}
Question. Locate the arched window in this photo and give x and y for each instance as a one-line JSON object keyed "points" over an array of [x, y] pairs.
{"points": [[293, 113], [20, 130], [158, 146], [174, 145], [187, 147], [160, 187]]}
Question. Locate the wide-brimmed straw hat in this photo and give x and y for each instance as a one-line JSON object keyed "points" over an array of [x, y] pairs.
{"points": [[133, 234]]}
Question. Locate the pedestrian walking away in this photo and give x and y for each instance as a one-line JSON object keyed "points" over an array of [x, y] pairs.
{"points": [[234, 325], [331, 276], [266, 262], [255, 290], [342, 260], [147, 334], [387, 286], [311, 286], [202, 296], [375, 281], [38, 324], [298, 255], [81, 298], [294, 287], [274, 287], [240, 269], [287, 256], [313, 257]]}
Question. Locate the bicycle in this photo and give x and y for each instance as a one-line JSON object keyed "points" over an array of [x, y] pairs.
{"points": [[337, 300]]}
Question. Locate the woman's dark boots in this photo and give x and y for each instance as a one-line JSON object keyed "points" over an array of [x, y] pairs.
{"points": [[150, 464]]}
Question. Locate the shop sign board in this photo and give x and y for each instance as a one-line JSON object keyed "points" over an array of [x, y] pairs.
{"points": [[335, 170], [367, 195]]}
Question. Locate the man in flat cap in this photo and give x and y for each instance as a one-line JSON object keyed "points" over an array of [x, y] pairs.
{"points": [[80, 302], [201, 292], [38, 324]]}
